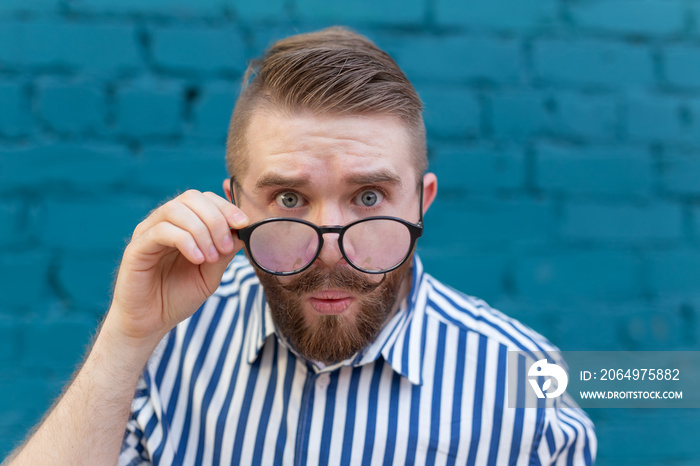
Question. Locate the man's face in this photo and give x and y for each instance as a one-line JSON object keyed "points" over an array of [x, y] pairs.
{"points": [[330, 171]]}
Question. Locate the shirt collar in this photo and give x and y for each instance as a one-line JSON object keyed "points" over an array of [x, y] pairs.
{"points": [[399, 342]]}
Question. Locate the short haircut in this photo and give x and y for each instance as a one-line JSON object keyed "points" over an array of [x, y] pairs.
{"points": [[334, 72]]}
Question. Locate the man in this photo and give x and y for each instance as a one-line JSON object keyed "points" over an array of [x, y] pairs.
{"points": [[328, 344]]}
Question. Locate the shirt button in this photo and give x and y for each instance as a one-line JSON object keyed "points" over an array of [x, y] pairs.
{"points": [[323, 381]]}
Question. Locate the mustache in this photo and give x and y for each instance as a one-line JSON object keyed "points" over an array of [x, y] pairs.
{"points": [[343, 278]]}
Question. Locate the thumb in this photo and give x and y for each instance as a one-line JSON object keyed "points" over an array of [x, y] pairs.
{"points": [[212, 272]]}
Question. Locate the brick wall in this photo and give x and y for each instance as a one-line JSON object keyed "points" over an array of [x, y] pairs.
{"points": [[564, 134]]}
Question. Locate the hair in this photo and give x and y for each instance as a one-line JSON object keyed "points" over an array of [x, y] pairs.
{"points": [[334, 72]]}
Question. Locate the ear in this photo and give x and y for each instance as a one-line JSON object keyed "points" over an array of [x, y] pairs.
{"points": [[227, 188], [429, 190]]}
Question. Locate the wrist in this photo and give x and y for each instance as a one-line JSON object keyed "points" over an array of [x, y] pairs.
{"points": [[123, 345]]}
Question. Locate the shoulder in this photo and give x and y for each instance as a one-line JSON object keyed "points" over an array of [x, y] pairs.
{"points": [[470, 314], [560, 430]]}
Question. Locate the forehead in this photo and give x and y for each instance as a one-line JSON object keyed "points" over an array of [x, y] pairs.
{"points": [[324, 148]]}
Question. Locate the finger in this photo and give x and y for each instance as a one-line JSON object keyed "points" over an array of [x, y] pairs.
{"points": [[154, 217], [182, 216], [212, 272], [212, 216], [236, 218], [167, 235]]}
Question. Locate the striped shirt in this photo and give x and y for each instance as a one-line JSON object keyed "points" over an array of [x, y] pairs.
{"points": [[223, 388]]}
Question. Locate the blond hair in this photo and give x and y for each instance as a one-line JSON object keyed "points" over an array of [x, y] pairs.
{"points": [[330, 72]]}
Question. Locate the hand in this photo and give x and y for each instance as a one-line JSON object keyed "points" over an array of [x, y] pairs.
{"points": [[174, 262]]}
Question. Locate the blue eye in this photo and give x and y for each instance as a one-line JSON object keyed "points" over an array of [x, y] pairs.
{"points": [[290, 200], [369, 198]]}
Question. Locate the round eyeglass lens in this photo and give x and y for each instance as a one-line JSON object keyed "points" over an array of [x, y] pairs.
{"points": [[283, 246], [377, 244]]}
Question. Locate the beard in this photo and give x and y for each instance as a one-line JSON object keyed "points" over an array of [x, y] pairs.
{"points": [[332, 338]]}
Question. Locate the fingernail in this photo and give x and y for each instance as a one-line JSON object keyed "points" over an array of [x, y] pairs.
{"points": [[197, 254], [213, 253], [227, 242], [240, 217]]}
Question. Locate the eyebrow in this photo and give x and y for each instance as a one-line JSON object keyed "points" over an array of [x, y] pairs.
{"points": [[275, 179], [379, 177]]}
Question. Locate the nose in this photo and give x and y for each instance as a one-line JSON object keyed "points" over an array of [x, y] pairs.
{"points": [[330, 253]]}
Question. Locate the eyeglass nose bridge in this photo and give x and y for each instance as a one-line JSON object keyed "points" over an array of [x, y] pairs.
{"points": [[330, 229]]}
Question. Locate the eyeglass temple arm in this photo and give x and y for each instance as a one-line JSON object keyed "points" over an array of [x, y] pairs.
{"points": [[420, 206], [233, 196]]}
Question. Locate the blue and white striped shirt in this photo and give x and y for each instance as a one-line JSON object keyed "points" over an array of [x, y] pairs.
{"points": [[223, 388]]}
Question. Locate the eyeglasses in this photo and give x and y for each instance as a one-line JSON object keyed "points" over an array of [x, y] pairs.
{"points": [[287, 246]]}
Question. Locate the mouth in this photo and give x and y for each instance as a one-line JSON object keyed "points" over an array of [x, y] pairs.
{"points": [[331, 302]]}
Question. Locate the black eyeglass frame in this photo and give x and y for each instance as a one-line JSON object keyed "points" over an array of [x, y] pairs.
{"points": [[415, 230]]}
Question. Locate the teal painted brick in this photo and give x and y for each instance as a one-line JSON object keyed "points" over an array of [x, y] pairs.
{"points": [[150, 109], [15, 119], [9, 438], [633, 325], [695, 223], [592, 62], [582, 330], [23, 279], [28, 396], [9, 340], [650, 17], [510, 15], [585, 116], [517, 115], [53, 167], [638, 223], [449, 112], [610, 170], [87, 281], [260, 11], [394, 12], [91, 225], [660, 118], [213, 110], [457, 58], [471, 224], [177, 8], [675, 272], [537, 316], [25, 398], [199, 49], [680, 172], [167, 172], [33, 6], [263, 36], [578, 276], [478, 168], [96, 47], [73, 108], [656, 329], [9, 224], [477, 274], [671, 441], [57, 346], [565, 322], [524, 114], [682, 65]]}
